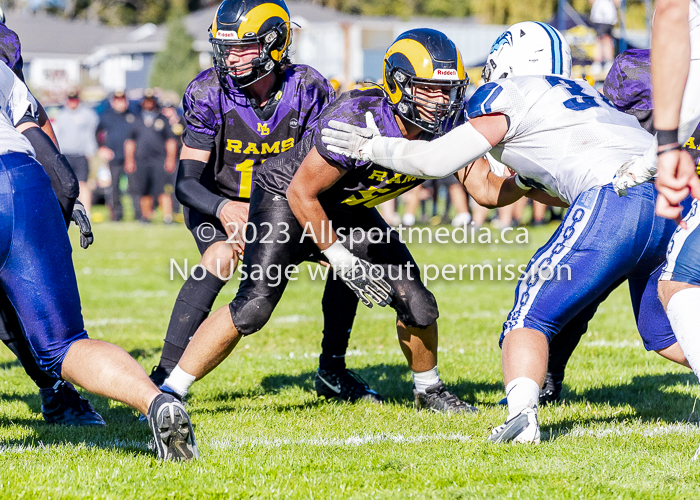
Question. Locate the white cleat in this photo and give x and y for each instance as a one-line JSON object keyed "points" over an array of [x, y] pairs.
{"points": [[520, 428]]}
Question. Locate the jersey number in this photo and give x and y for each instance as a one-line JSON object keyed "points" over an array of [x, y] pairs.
{"points": [[245, 184], [580, 100]]}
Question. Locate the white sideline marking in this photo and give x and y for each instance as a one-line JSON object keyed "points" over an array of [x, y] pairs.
{"points": [[352, 441], [110, 321], [349, 441], [618, 345], [139, 294], [295, 318], [661, 430], [40, 446]]}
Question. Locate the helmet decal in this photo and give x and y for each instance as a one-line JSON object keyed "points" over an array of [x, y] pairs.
{"points": [[505, 38], [417, 55], [557, 58]]}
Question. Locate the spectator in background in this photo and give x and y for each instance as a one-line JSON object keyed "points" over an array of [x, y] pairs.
{"points": [[112, 132], [150, 154], [603, 17], [75, 127], [177, 127]]}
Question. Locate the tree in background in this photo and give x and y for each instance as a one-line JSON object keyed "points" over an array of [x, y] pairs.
{"points": [[176, 65]]}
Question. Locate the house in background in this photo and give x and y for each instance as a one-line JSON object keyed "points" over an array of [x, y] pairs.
{"points": [[60, 53]]}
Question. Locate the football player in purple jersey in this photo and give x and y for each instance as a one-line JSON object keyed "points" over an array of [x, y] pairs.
{"points": [[251, 106], [312, 187]]}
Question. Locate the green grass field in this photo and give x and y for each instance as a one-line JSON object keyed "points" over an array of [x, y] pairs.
{"points": [[623, 430]]}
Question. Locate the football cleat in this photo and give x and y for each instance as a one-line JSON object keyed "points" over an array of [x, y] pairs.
{"points": [[172, 430], [551, 389], [344, 384], [520, 428], [158, 375], [438, 399], [166, 390], [61, 404]]}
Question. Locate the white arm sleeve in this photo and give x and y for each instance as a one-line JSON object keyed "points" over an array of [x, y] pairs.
{"points": [[430, 160]]}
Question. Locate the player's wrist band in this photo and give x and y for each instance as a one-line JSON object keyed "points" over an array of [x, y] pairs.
{"points": [[520, 184], [666, 137], [338, 256], [220, 206], [677, 147]]}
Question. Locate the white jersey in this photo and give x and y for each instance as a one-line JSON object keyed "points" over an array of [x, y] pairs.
{"points": [[15, 101], [563, 137]]}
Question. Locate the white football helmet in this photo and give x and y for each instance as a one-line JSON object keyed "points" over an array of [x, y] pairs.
{"points": [[528, 48]]}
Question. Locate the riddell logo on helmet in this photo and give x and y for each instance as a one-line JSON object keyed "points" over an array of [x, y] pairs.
{"points": [[445, 74], [227, 35]]}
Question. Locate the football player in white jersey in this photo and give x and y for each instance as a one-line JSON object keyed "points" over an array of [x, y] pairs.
{"points": [[564, 138], [38, 278]]}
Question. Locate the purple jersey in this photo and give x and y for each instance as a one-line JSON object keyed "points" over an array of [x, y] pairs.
{"points": [[628, 86], [364, 183], [11, 50], [241, 136]]}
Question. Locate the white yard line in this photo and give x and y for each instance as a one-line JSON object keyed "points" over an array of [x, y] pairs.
{"points": [[91, 323], [616, 345], [614, 431], [367, 439], [227, 443], [40, 446]]}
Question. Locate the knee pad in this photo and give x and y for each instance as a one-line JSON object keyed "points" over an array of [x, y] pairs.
{"points": [[249, 316], [416, 308]]}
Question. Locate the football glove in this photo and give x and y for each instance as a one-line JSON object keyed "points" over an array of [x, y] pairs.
{"points": [[351, 140], [633, 173], [360, 276], [81, 219]]}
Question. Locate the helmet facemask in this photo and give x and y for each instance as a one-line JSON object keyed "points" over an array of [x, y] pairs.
{"points": [[245, 74], [412, 102]]}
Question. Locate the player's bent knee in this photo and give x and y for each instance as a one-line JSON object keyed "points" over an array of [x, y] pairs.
{"points": [[673, 353], [50, 358], [219, 260], [417, 309], [668, 289], [251, 316]]}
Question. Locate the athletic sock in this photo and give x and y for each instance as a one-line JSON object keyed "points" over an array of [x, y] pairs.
{"points": [[423, 380], [521, 392], [192, 307], [179, 381], [683, 316], [339, 306]]}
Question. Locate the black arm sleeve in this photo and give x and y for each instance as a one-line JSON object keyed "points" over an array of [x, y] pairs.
{"points": [[190, 191], [63, 179]]}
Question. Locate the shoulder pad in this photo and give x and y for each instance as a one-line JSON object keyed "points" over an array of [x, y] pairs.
{"points": [[482, 101]]}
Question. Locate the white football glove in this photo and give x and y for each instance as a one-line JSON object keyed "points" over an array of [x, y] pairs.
{"points": [[360, 276], [350, 140], [633, 173]]}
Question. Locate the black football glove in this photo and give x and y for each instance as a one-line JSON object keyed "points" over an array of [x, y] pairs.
{"points": [[80, 217], [368, 283]]}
